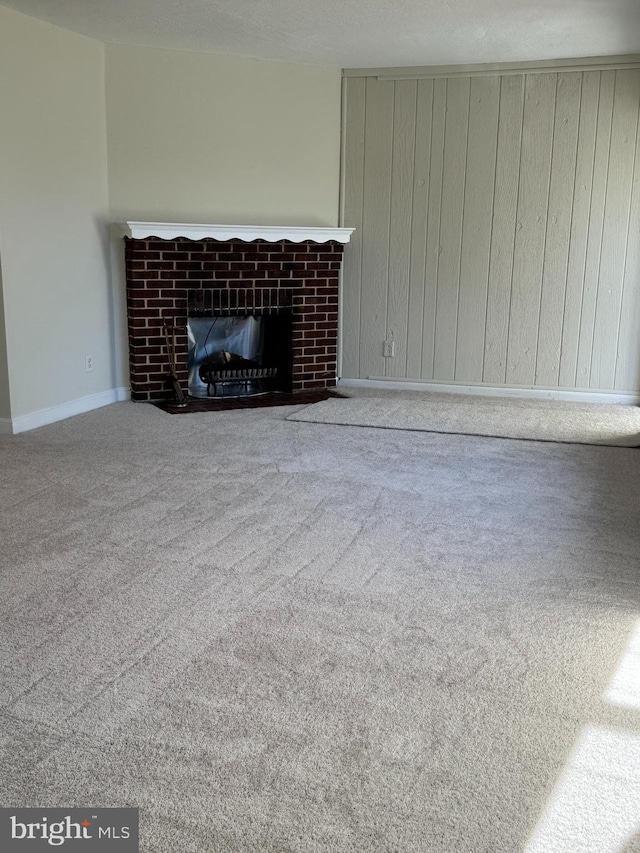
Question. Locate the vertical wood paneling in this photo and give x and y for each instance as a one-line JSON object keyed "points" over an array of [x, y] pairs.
{"points": [[596, 224], [352, 198], [451, 210], [476, 227], [615, 231], [503, 229], [499, 228], [418, 285], [628, 364], [402, 169], [432, 260], [378, 142], [556, 253], [535, 169], [581, 212]]}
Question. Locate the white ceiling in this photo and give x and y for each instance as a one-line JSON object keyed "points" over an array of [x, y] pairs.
{"points": [[358, 33]]}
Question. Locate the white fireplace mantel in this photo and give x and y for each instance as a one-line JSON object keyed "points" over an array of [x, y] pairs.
{"points": [[271, 233]]}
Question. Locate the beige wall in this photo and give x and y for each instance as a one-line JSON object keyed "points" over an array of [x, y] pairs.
{"points": [[5, 397], [498, 229], [206, 138], [53, 214]]}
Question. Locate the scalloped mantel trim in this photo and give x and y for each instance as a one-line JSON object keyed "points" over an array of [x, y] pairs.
{"points": [[271, 233]]}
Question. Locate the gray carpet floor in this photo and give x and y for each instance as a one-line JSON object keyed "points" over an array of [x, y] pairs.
{"points": [[503, 417], [281, 636]]}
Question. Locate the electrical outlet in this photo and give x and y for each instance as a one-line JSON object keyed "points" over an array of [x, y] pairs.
{"points": [[388, 349], [88, 363]]}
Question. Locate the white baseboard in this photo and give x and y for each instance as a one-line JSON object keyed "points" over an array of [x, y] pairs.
{"points": [[42, 417], [568, 394]]}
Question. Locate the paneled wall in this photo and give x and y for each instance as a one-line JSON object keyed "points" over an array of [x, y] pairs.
{"points": [[498, 229]]}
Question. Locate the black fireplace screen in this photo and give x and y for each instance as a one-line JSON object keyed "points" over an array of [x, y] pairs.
{"points": [[239, 355]]}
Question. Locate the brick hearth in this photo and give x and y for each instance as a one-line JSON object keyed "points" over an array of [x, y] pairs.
{"points": [[164, 275]]}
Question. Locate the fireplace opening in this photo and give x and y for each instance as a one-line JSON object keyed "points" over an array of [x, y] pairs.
{"points": [[233, 355]]}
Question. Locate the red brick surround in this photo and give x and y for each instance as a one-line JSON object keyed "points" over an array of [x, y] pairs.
{"points": [[162, 276]]}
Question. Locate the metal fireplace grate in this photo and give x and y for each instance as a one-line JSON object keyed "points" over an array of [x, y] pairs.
{"points": [[235, 371]]}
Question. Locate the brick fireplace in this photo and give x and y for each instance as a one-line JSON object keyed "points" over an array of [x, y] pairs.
{"points": [[174, 270]]}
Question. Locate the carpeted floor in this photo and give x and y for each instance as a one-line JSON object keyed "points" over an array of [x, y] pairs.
{"points": [[281, 636], [536, 420]]}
